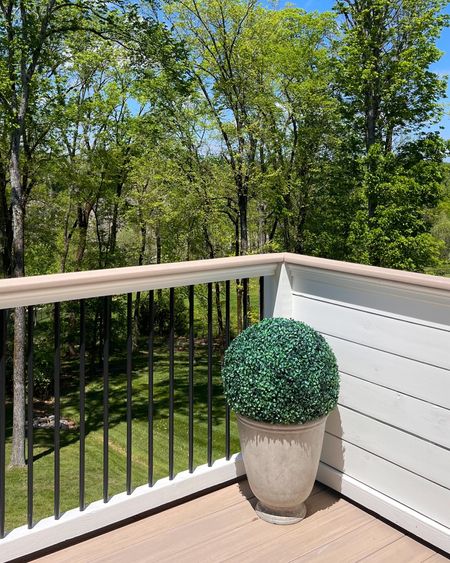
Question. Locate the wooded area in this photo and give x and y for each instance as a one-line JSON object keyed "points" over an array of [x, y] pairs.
{"points": [[136, 132]]}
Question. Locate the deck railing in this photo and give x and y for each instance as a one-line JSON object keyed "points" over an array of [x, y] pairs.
{"points": [[386, 445], [73, 299]]}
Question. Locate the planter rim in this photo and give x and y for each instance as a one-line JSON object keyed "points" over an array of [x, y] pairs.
{"points": [[267, 426]]}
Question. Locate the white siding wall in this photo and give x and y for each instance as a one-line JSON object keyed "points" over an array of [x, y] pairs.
{"points": [[387, 445]]}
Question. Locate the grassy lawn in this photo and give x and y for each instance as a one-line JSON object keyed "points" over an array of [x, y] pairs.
{"points": [[442, 270], [16, 479]]}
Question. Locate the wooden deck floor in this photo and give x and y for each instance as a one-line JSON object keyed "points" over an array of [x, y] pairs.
{"points": [[222, 526]]}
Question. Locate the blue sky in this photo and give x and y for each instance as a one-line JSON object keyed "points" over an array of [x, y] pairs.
{"points": [[443, 66]]}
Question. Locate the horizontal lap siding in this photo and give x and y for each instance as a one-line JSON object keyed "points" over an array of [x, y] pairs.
{"points": [[416, 417], [392, 429], [404, 486], [392, 444], [400, 337], [420, 303], [422, 381]]}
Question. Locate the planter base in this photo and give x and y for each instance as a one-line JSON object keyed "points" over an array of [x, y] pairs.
{"points": [[281, 463], [275, 517]]}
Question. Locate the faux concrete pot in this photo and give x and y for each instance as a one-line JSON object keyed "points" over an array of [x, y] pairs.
{"points": [[281, 461]]}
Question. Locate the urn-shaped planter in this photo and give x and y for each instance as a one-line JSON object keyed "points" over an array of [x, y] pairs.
{"points": [[280, 377], [281, 462]]}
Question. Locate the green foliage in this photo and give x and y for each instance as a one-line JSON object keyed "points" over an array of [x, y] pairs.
{"points": [[280, 371], [149, 144], [440, 218], [406, 186], [388, 91], [383, 63], [43, 372]]}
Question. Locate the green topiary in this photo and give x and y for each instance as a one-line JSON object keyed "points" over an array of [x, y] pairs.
{"points": [[280, 371]]}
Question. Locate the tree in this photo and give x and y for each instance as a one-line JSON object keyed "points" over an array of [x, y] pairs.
{"points": [[388, 94], [441, 223], [27, 40], [225, 47], [408, 187], [32, 51], [301, 129]]}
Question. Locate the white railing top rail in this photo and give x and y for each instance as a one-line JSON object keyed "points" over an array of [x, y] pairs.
{"points": [[365, 271], [37, 290], [51, 288]]}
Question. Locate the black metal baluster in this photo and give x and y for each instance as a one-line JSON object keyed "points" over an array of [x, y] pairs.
{"points": [[191, 378], [151, 305], [3, 340], [245, 302], [227, 343], [57, 412], [171, 377], [129, 387], [106, 324], [210, 356], [261, 298], [82, 405], [30, 392]]}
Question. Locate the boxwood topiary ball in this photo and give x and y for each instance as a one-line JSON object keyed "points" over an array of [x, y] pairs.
{"points": [[280, 371]]}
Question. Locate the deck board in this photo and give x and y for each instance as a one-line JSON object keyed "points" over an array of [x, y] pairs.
{"points": [[222, 526], [354, 545], [403, 550]]}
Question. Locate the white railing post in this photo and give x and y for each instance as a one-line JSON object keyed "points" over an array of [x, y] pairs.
{"points": [[278, 293]]}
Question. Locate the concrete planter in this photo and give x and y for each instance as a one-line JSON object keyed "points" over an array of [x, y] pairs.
{"points": [[281, 462]]}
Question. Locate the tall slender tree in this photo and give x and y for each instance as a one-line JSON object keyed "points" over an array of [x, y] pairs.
{"points": [[32, 52], [390, 95], [225, 48]]}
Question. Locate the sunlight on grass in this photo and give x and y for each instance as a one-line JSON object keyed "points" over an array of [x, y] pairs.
{"points": [[16, 484], [16, 479]]}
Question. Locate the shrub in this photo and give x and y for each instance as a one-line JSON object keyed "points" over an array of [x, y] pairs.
{"points": [[43, 379], [280, 371], [161, 313]]}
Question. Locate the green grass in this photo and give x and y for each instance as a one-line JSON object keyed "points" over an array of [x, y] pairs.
{"points": [[16, 479], [442, 270]]}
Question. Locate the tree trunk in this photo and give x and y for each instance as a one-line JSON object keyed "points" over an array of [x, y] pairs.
{"points": [[372, 113], [158, 245], [299, 242], [137, 303], [115, 222], [243, 204], [159, 291], [388, 142], [212, 255], [18, 435], [67, 238], [262, 235], [18, 216], [5, 227], [83, 223], [273, 230], [286, 224]]}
